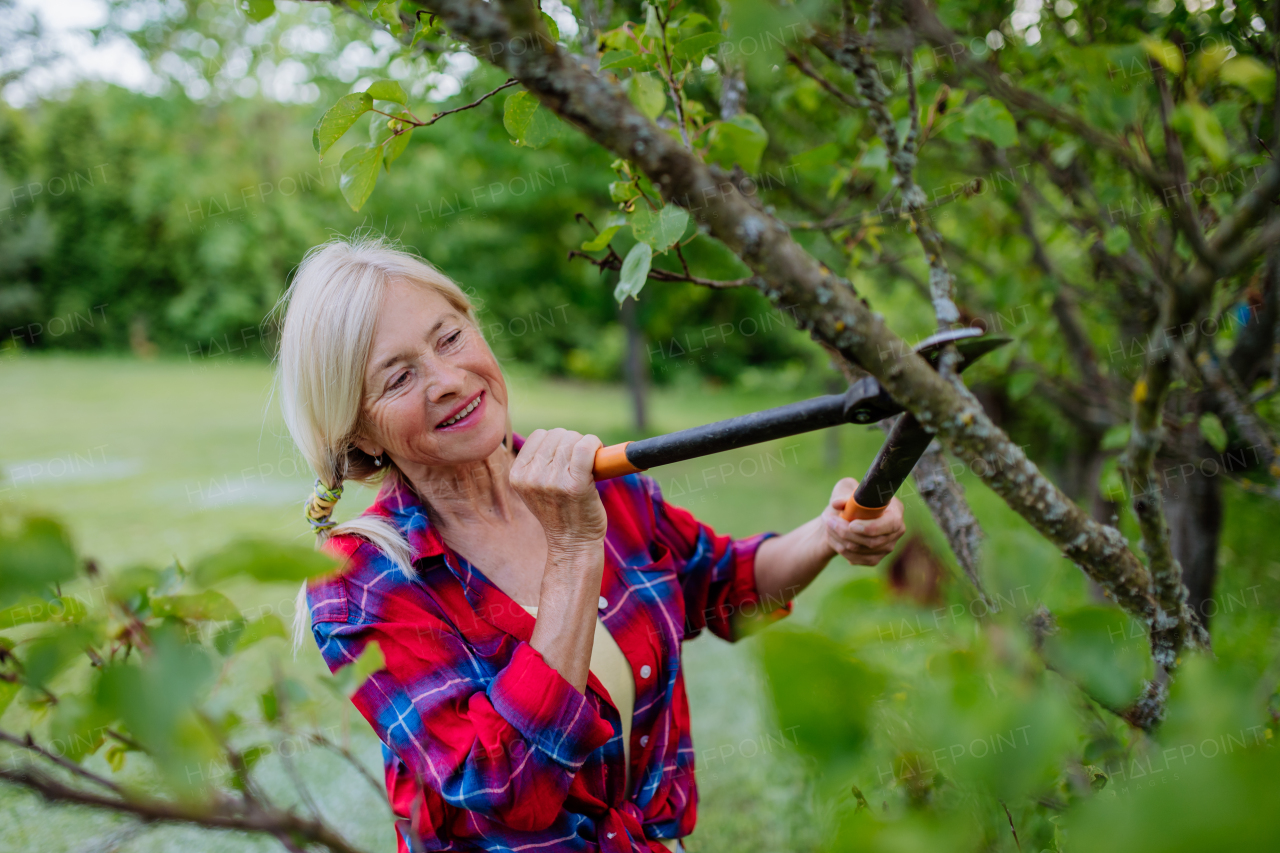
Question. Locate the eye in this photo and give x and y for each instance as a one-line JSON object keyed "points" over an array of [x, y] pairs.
{"points": [[451, 339], [399, 380]]}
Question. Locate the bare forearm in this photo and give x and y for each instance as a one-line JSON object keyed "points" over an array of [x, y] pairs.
{"points": [[568, 603], [787, 564]]}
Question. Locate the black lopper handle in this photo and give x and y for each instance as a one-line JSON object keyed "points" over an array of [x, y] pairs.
{"points": [[900, 452]]}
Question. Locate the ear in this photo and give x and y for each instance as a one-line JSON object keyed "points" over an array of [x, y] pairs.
{"points": [[370, 447]]}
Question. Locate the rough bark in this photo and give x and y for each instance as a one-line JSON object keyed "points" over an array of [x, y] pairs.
{"points": [[945, 498], [823, 303]]}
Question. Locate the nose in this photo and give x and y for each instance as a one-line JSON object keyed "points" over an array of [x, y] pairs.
{"points": [[445, 380]]}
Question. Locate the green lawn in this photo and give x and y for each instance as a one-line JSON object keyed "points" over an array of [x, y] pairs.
{"points": [[148, 461]]}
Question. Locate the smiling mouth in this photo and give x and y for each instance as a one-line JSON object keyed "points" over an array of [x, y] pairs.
{"points": [[462, 414]]}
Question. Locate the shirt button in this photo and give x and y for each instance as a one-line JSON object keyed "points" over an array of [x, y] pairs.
{"points": [[644, 741], [604, 602], [645, 671]]}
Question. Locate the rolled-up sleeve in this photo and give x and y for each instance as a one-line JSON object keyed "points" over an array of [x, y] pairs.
{"points": [[507, 747], [717, 573]]}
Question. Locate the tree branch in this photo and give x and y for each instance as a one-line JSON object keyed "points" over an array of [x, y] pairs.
{"points": [[29, 744], [227, 816], [853, 56], [823, 303]]}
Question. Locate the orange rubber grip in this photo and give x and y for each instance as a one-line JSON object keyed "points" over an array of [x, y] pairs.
{"points": [[612, 462], [854, 510]]}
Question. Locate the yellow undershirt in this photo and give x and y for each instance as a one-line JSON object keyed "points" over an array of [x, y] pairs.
{"points": [[610, 666]]}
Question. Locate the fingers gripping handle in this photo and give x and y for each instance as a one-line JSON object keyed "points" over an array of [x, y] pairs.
{"points": [[854, 510], [612, 462]]}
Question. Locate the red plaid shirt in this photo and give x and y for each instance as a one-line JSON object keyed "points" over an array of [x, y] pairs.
{"points": [[489, 748]]}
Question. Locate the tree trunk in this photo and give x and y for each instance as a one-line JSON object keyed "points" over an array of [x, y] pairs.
{"points": [[1194, 510], [634, 366]]}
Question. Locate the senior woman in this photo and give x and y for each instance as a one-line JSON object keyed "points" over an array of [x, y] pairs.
{"points": [[530, 619]]}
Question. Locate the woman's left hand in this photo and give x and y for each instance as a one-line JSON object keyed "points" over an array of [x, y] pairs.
{"points": [[863, 542]]}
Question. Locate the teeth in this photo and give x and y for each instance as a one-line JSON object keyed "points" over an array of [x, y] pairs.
{"points": [[468, 410]]}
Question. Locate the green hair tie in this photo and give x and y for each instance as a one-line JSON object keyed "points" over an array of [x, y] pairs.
{"points": [[319, 507]]}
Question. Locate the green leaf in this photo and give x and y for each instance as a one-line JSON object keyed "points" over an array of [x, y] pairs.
{"points": [[1095, 647], [1111, 482], [552, 27], [694, 48], [50, 654], [823, 697], [1252, 76], [207, 606], [620, 59], [1116, 241], [648, 93], [1196, 119], [621, 191], [1165, 53], [387, 90], [260, 629], [338, 119], [39, 556], [78, 725], [635, 272], [529, 123], [660, 228], [32, 610], [395, 147], [388, 11], [359, 173], [270, 705], [988, 119], [710, 258], [1211, 429], [739, 141], [1116, 437], [611, 226], [258, 10], [652, 26], [8, 691], [263, 560], [876, 155]]}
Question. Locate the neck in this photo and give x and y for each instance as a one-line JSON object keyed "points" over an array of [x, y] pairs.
{"points": [[462, 495]]}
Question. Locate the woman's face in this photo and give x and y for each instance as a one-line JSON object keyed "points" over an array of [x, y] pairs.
{"points": [[433, 393]]}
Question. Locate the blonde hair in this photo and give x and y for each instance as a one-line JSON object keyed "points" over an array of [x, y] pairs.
{"points": [[329, 314]]}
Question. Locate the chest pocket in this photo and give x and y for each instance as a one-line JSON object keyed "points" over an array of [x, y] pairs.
{"points": [[656, 585]]}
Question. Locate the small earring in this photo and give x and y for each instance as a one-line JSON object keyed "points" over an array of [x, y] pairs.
{"points": [[377, 460]]}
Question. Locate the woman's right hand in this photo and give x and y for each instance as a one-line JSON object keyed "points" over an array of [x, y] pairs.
{"points": [[552, 475]]}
